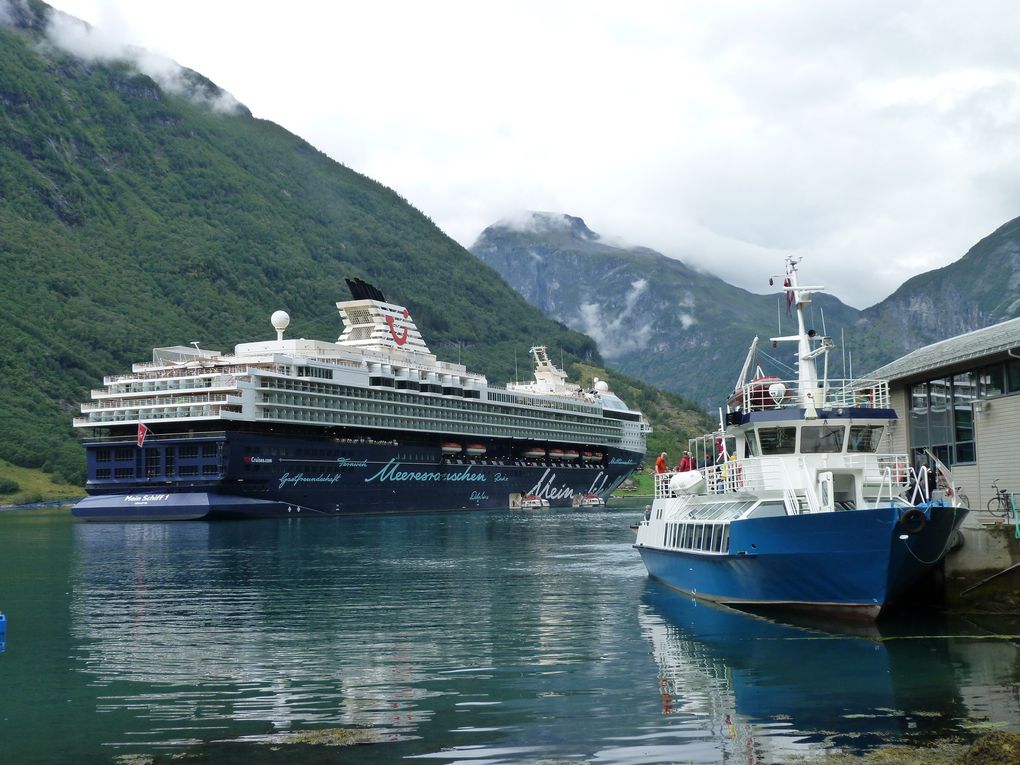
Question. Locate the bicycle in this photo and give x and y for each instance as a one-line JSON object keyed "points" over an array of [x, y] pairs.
{"points": [[1002, 503]]}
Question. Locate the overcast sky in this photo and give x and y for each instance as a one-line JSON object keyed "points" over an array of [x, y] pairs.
{"points": [[878, 140]]}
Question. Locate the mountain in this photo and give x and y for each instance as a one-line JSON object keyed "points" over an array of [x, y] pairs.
{"points": [[653, 317], [980, 289], [137, 213]]}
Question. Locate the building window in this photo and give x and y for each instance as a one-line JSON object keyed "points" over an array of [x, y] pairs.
{"points": [[942, 417]]}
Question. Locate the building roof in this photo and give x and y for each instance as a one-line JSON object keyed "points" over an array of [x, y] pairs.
{"points": [[955, 351]]}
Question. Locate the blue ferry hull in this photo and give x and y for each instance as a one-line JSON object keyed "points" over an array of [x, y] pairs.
{"points": [[852, 561], [248, 475]]}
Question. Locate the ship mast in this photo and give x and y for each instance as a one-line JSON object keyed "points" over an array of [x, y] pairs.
{"points": [[809, 395]]}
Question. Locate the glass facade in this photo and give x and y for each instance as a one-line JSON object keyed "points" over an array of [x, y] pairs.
{"points": [[942, 412]]}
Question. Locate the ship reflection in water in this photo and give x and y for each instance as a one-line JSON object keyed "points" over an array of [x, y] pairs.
{"points": [[503, 637], [777, 689]]}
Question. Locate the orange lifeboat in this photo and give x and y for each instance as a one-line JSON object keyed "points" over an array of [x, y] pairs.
{"points": [[570, 454], [534, 453], [451, 447], [475, 450], [555, 454], [759, 395]]}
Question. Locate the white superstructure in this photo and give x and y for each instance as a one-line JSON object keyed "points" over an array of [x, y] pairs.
{"points": [[379, 374]]}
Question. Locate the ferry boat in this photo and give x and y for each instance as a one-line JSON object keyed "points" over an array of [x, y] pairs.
{"points": [[371, 423], [534, 502], [793, 501]]}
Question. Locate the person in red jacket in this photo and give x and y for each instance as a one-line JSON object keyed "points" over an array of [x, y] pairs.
{"points": [[660, 464], [685, 463]]}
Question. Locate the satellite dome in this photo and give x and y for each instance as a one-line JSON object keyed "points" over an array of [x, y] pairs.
{"points": [[602, 386], [280, 320]]}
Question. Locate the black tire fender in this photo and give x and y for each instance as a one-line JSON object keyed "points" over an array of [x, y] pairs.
{"points": [[913, 521]]}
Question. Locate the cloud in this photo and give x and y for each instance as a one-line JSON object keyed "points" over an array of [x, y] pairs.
{"points": [[876, 140], [531, 222], [94, 44], [626, 331], [10, 10]]}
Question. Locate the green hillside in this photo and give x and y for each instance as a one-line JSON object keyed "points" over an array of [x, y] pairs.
{"points": [[132, 218]]}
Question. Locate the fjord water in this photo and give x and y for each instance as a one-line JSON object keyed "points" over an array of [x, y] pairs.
{"points": [[484, 637]]}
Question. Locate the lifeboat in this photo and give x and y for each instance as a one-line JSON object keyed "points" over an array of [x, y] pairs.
{"points": [[555, 454], [475, 450], [570, 454], [593, 456], [534, 453], [534, 502], [451, 447], [761, 393]]}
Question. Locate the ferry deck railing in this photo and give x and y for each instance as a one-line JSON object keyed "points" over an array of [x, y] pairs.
{"points": [[761, 474], [773, 393]]}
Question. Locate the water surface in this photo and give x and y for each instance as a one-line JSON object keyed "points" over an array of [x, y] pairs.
{"points": [[485, 637]]}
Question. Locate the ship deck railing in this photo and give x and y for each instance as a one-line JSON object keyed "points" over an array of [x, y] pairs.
{"points": [[771, 393], [153, 437], [170, 398], [760, 474], [149, 371]]}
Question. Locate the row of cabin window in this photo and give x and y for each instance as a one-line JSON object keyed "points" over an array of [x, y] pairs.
{"points": [[128, 453], [183, 471], [707, 537], [815, 439]]}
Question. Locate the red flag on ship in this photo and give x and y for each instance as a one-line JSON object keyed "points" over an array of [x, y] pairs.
{"points": [[143, 431]]}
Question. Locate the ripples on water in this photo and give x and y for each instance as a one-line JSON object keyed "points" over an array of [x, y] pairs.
{"points": [[469, 637]]}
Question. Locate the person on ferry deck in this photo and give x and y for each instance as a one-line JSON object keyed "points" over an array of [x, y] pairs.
{"points": [[660, 464], [685, 463]]}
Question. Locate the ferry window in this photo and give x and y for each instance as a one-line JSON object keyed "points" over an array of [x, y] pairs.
{"points": [[768, 510], [864, 438], [818, 439], [103, 455], [124, 473], [777, 440], [103, 474]]}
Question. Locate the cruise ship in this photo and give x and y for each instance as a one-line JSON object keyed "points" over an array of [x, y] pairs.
{"points": [[371, 423]]}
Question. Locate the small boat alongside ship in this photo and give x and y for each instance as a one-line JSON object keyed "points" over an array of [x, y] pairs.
{"points": [[794, 503], [371, 423]]}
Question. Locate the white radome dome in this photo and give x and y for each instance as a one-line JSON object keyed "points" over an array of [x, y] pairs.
{"points": [[602, 386], [280, 320]]}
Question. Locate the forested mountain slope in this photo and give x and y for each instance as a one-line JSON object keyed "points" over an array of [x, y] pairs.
{"points": [[133, 217]]}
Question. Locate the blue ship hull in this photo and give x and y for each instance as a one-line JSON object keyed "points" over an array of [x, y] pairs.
{"points": [[250, 475], [846, 562]]}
